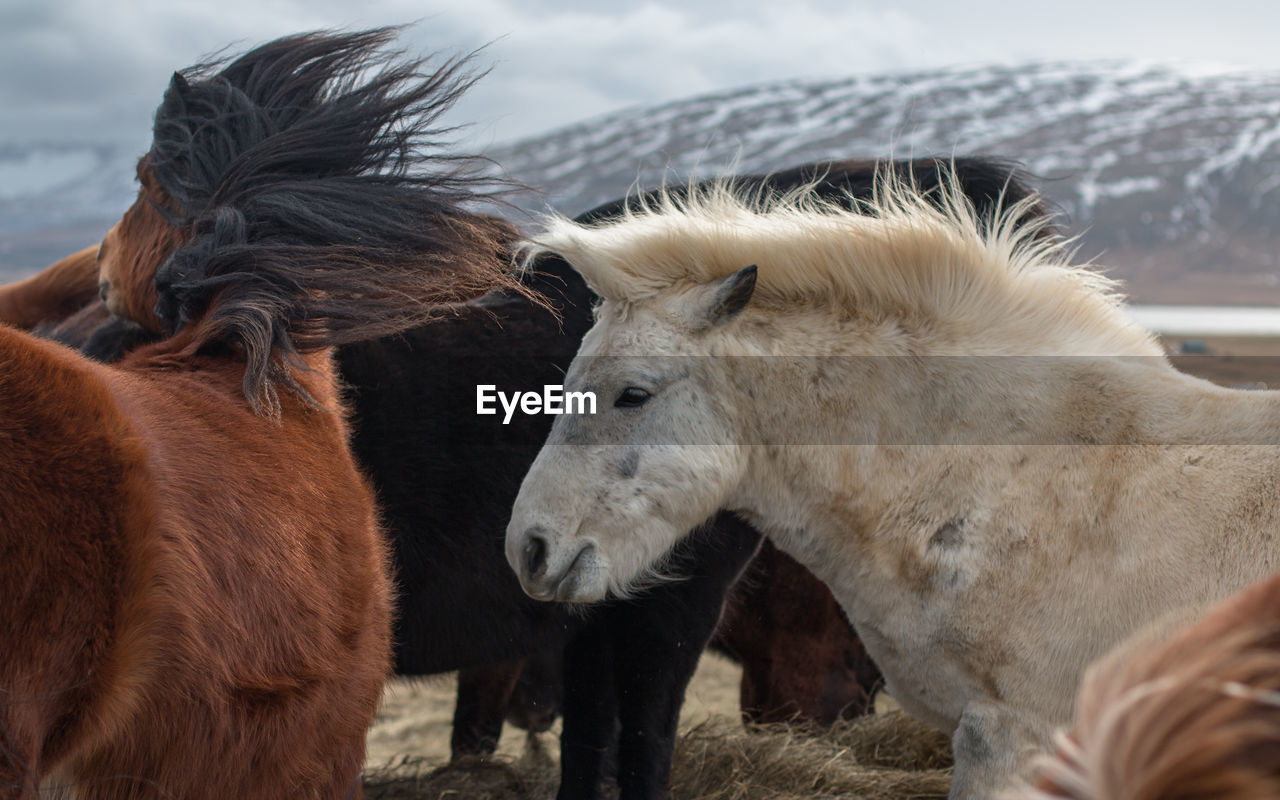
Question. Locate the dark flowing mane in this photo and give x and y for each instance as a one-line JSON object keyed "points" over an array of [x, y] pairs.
{"points": [[317, 206]]}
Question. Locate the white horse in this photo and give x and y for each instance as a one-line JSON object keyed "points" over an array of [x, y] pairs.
{"points": [[993, 467]]}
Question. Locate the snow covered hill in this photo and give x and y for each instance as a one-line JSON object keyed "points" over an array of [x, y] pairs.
{"points": [[58, 198], [1171, 175]]}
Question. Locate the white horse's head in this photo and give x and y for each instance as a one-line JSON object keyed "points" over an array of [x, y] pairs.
{"points": [[680, 412], [611, 492]]}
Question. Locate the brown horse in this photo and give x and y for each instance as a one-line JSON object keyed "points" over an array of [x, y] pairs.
{"points": [[195, 591], [801, 660], [1196, 716]]}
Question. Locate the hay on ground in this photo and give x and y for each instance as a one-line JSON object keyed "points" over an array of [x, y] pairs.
{"points": [[881, 757], [534, 776]]}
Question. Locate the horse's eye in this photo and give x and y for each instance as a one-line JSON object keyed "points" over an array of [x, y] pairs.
{"points": [[631, 397]]}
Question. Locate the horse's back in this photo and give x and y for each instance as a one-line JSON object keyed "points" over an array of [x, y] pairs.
{"points": [[71, 475], [247, 503], [219, 576], [68, 456]]}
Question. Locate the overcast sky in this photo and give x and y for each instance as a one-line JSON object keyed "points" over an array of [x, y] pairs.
{"points": [[95, 69]]}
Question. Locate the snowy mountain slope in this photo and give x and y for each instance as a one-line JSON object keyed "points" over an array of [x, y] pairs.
{"points": [[58, 198], [1172, 175], [52, 184]]}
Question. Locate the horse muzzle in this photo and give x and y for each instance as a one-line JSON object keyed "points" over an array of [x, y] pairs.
{"points": [[549, 570]]}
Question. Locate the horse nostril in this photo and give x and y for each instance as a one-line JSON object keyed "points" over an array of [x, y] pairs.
{"points": [[104, 287], [535, 554]]}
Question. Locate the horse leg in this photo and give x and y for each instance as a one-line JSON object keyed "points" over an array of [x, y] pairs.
{"points": [[483, 694], [590, 713], [658, 642], [536, 701], [989, 746], [53, 294], [652, 678]]}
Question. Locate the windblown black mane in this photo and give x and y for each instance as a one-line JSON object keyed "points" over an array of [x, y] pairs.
{"points": [[317, 206]]}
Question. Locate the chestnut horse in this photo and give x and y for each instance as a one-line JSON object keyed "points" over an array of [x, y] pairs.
{"points": [[195, 591], [1195, 716]]}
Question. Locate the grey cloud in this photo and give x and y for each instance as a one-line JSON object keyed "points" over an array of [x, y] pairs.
{"points": [[75, 69]]}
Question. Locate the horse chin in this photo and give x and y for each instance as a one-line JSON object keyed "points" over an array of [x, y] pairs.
{"points": [[587, 582], [584, 580]]}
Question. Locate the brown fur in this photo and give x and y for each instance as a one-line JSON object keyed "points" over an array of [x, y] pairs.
{"points": [[196, 600], [53, 295], [1191, 718], [143, 234], [801, 661], [209, 584]]}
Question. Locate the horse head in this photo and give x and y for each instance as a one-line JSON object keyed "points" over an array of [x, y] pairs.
{"points": [[295, 199]]}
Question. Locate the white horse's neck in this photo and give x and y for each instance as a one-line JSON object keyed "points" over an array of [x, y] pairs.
{"points": [[934, 425], [994, 501]]}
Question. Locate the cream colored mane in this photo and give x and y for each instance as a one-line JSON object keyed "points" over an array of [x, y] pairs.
{"points": [[899, 255]]}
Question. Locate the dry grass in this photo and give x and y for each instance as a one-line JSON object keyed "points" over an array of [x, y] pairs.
{"points": [[886, 757], [895, 740], [501, 778]]}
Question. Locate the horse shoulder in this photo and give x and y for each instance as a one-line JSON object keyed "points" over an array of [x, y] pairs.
{"points": [[269, 577], [231, 513]]}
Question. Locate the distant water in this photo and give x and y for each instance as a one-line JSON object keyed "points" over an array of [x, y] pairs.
{"points": [[1166, 320], [1209, 320]]}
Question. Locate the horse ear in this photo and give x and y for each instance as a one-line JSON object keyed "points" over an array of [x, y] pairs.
{"points": [[178, 85], [174, 103], [727, 297]]}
